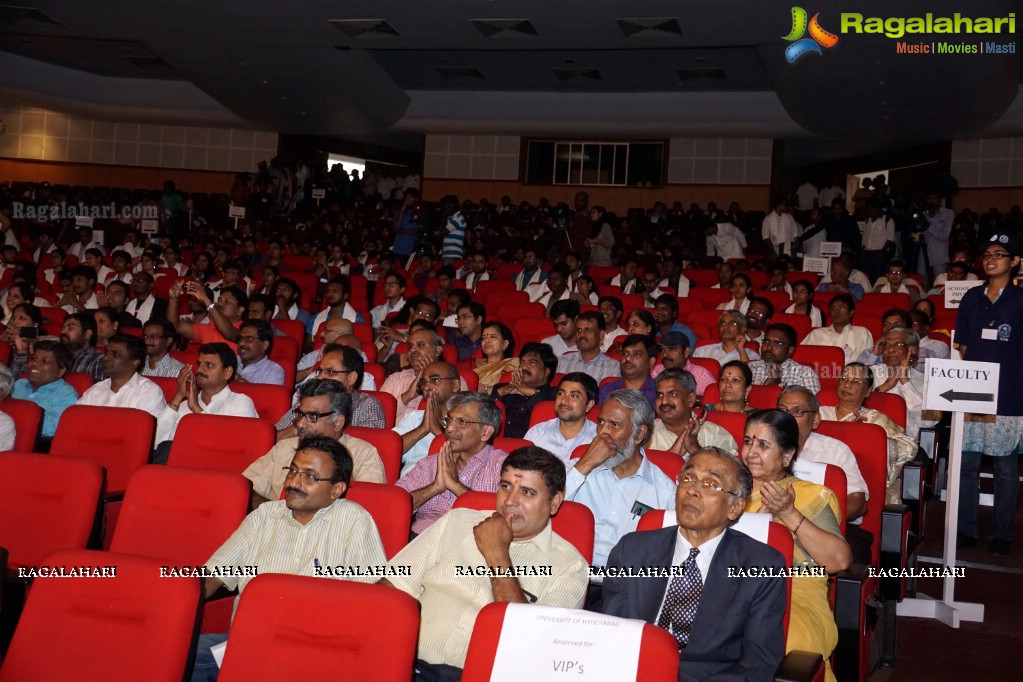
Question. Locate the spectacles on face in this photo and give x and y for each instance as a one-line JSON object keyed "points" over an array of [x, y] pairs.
{"points": [[896, 272], [777, 343], [728, 323], [326, 371], [755, 313], [994, 256], [457, 422], [853, 380], [304, 476], [895, 345], [688, 481], [311, 417], [796, 411], [248, 339], [436, 380]]}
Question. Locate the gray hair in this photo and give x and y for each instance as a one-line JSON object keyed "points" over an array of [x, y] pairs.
{"points": [[742, 473], [489, 412], [642, 410], [6, 381], [912, 338], [735, 315], [340, 401], [811, 397], [684, 378]]}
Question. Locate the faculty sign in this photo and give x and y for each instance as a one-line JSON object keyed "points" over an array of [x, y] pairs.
{"points": [[957, 386]]}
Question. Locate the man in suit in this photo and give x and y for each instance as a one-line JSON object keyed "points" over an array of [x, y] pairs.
{"points": [[728, 628]]}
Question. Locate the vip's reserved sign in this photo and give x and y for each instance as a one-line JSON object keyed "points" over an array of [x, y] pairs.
{"points": [[565, 644], [957, 386]]}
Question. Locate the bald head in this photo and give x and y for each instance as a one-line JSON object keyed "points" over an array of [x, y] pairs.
{"points": [[350, 340]]}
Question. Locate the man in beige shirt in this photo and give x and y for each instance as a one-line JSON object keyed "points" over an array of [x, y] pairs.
{"points": [[676, 428], [468, 559], [324, 409]]}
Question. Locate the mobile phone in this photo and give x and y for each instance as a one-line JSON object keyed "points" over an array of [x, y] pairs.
{"points": [[29, 332]]}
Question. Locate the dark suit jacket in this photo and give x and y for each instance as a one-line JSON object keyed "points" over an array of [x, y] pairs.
{"points": [[738, 631]]}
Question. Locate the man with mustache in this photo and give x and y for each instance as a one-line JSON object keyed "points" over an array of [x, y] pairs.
{"points": [[465, 462], [613, 477], [776, 366], [204, 391], [311, 529], [255, 342], [418, 428], [677, 429], [639, 355], [324, 409], [124, 385], [575, 397], [425, 346], [159, 337], [529, 385], [675, 352], [471, 558]]}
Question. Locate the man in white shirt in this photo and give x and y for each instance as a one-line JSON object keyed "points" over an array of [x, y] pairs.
{"points": [[575, 397], [842, 333], [779, 228], [563, 314], [806, 196], [900, 350], [554, 289], [145, 305], [81, 297], [878, 239], [124, 386], [531, 272], [394, 292], [612, 309], [676, 428], [335, 298], [205, 392], [725, 241], [896, 282], [829, 194], [476, 270], [732, 336], [626, 277], [939, 228]]}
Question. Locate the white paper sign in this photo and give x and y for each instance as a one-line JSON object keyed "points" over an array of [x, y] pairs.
{"points": [[954, 291], [84, 221], [957, 386], [809, 471], [821, 266], [218, 653], [831, 249], [150, 226], [236, 212], [98, 237], [319, 193], [565, 644]]}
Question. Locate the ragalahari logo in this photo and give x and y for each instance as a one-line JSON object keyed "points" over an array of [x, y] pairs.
{"points": [[818, 36]]}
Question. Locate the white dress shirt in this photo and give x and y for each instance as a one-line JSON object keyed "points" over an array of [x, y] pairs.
{"points": [[547, 435], [227, 402], [139, 392]]}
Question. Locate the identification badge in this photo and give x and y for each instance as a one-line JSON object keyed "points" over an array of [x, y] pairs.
{"points": [[989, 334]]}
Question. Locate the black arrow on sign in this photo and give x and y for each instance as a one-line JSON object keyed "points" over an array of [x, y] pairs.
{"points": [[951, 395]]}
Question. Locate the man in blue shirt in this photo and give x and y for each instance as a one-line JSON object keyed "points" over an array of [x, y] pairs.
{"points": [[45, 385]]}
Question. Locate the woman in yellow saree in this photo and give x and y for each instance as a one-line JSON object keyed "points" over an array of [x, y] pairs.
{"points": [[497, 345], [811, 514]]}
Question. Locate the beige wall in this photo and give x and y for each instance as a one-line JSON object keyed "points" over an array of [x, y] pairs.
{"points": [[42, 135]]}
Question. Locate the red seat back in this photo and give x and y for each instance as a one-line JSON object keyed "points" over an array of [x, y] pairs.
{"points": [[220, 442], [102, 627], [293, 328], [387, 443], [271, 401], [28, 418], [827, 361], [760, 397], [658, 650], [119, 438], [267, 635], [733, 422], [391, 509], [180, 515], [35, 521]]}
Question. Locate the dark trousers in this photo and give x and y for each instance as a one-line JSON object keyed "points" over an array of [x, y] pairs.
{"points": [[1006, 472], [436, 672]]}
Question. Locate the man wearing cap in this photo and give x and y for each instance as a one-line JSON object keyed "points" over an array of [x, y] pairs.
{"points": [[675, 352], [988, 329]]}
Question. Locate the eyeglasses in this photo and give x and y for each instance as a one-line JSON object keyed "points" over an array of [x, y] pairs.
{"points": [[896, 345], [332, 372], [755, 313], [995, 256], [688, 481], [458, 422], [248, 339], [777, 343], [728, 323], [435, 380], [796, 411], [304, 476], [311, 417], [853, 380]]}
